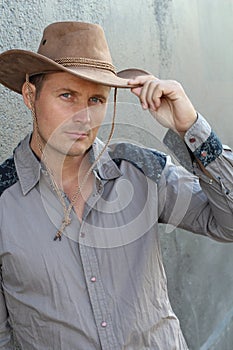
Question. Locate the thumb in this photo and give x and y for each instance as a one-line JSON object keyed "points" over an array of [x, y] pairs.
{"points": [[136, 91]]}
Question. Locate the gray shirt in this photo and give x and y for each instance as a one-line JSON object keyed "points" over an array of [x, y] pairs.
{"points": [[103, 286]]}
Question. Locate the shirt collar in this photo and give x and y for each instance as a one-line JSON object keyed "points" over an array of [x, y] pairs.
{"points": [[29, 167], [105, 167]]}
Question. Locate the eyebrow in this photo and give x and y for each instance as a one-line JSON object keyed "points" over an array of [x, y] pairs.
{"points": [[79, 93], [69, 90]]}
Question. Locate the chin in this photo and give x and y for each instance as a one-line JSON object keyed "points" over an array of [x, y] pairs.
{"points": [[77, 151], [71, 149]]}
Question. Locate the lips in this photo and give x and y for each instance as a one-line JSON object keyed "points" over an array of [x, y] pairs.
{"points": [[75, 135]]}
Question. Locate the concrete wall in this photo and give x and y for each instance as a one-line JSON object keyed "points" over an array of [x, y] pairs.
{"points": [[190, 41]]}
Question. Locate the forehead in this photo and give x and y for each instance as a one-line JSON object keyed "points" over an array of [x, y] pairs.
{"points": [[67, 80]]}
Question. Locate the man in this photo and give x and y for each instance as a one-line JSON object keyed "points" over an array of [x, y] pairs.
{"points": [[81, 265]]}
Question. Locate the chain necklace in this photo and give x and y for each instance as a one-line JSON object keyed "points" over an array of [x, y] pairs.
{"points": [[66, 209]]}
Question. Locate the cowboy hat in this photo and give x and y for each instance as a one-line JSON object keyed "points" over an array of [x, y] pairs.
{"points": [[75, 47]]}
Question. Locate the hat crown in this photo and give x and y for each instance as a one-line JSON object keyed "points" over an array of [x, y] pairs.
{"points": [[77, 48], [74, 40]]}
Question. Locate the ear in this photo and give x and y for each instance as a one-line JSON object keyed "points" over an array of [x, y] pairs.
{"points": [[29, 94]]}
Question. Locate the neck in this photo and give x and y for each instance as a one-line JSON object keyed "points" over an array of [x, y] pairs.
{"points": [[65, 169]]}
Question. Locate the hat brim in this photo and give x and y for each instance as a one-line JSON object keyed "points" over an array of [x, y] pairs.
{"points": [[15, 64]]}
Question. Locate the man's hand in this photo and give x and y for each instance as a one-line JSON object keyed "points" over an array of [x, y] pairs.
{"points": [[166, 101]]}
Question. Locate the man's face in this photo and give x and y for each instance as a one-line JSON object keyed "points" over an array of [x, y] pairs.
{"points": [[69, 111]]}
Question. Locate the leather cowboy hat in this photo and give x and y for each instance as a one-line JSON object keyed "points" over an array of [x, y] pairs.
{"points": [[75, 47]]}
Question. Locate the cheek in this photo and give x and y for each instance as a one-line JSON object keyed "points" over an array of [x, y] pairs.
{"points": [[50, 119], [97, 116]]}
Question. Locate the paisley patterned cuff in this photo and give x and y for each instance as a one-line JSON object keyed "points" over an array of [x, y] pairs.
{"points": [[209, 150]]}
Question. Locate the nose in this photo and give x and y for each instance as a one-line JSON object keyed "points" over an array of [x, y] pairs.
{"points": [[82, 116]]}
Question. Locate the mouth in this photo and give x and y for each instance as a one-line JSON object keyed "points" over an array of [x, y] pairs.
{"points": [[77, 135]]}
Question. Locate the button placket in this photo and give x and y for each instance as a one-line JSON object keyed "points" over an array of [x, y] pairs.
{"points": [[97, 298], [91, 202], [82, 234], [104, 324], [94, 284]]}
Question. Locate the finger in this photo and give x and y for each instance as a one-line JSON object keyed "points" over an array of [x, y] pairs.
{"points": [[136, 91], [140, 80], [151, 94], [158, 93], [145, 94]]}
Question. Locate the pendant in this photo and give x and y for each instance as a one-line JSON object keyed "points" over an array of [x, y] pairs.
{"points": [[58, 236]]}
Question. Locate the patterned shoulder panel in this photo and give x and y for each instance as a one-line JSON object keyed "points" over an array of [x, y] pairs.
{"points": [[149, 161], [8, 174]]}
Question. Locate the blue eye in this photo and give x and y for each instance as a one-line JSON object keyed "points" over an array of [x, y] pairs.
{"points": [[95, 100], [66, 95]]}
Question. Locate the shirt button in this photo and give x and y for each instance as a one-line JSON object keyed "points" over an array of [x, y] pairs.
{"points": [[93, 279], [104, 324], [82, 234], [192, 140], [203, 153]]}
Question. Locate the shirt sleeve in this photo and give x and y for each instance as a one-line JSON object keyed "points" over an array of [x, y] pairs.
{"points": [[207, 201], [6, 341]]}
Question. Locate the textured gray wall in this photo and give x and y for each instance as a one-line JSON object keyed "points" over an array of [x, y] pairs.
{"points": [[190, 41]]}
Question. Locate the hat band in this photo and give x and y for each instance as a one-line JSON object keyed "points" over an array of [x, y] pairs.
{"points": [[85, 62]]}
